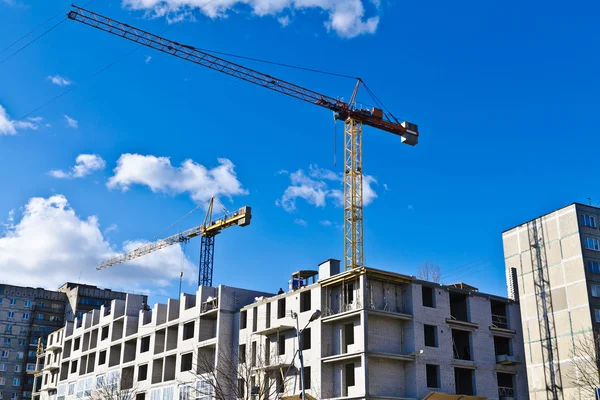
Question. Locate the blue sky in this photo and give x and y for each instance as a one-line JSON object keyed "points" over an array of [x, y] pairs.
{"points": [[505, 96]]}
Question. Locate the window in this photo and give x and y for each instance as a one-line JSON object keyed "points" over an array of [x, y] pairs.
{"points": [[71, 391], [2, 381], [241, 386], [184, 392], [7, 340], [73, 366], [428, 295], [305, 301], [594, 267], [5, 353], [11, 314], [254, 319], [18, 368], [463, 381], [595, 290], [186, 362], [41, 304], [592, 244], [2, 367], [19, 355], [143, 372], [281, 308], [14, 396], [280, 385], [349, 333], [30, 367], [12, 302], [16, 382], [8, 329], [242, 354], [104, 333], [27, 303], [253, 355], [188, 330], [307, 378], [39, 317], [281, 345], [433, 376], [243, 319], [204, 390], [350, 374], [25, 316], [430, 336], [145, 344], [22, 342], [588, 220], [306, 339], [76, 344], [597, 314]]}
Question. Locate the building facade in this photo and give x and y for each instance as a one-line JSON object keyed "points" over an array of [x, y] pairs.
{"points": [[364, 334], [28, 314], [555, 262]]}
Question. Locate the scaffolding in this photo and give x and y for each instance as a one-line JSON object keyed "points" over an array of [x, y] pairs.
{"points": [[545, 312]]}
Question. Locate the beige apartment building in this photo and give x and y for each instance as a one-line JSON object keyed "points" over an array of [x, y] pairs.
{"points": [[553, 269]]}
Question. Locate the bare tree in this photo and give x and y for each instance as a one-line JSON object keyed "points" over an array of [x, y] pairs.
{"points": [[586, 361], [243, 376], [429, 272], [114, 387]]}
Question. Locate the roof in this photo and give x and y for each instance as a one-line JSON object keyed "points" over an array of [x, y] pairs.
{"points": [[446, 396], [550, 212], [305, 273]]}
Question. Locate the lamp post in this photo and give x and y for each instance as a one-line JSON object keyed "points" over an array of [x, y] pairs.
{"points": [[313, 317]]}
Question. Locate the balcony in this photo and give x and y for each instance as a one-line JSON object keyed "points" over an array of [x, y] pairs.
{"points": [[506, 393], [505, 359]]}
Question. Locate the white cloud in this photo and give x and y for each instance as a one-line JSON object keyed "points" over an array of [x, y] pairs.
{"points": [[71, 123], [85, 164], [315, 188], [347, 18], [284, 21], [148, 59], [325, 222], [111, 228], [385, 186], [59, 80], [51, 245], [160, 176], [300, 222], [9, 126], [411, 208]]}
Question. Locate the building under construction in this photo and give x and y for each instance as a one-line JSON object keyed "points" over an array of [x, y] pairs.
{"points": [[553, 269], [364, 334]]}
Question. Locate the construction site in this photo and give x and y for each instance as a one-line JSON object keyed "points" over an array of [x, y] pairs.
{"points": [[341, 329]]}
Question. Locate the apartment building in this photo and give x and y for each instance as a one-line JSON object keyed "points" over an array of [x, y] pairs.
{"points": [[28, 314], [554, 262], [364, 334], [383, 335], [157, 352]]}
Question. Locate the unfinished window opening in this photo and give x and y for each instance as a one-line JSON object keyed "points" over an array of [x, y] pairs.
{"points": [[172, 335], [145, 344], [502, 346], [349, 375], [142, 372], [91, 363], [102, 357], [188, 330], [157, 369], [428, 295], [253, 355], [463, 381], [280, 345], [267, 348], [348, 336], [159, 341], [77, 344], [140, 396], [281, 308], [243, 319], [114, 357], [433, 376], [279, 384], [307, 378], [73, 366], [306, 339], [242, 354], [348, 295], [82, 365], [130, 348], [459, 306], [430, 335], [499, 315], [241, 388], [206, 360], [127, 378], [268, 315], [461, 343], [67, 349], [254, 319], [186, 362], [94, 339], [104, 334], [86, 341], [117, 330], [305, 301], [506, 386], [64, 371]]}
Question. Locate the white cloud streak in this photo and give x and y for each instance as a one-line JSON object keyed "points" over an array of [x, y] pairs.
{"points": [[51, 244], [85, 164], [71, 123], [148, 59], [316, 188], [159, 175], [301, 222], [9, 126], [59, 80], [347, 18]]}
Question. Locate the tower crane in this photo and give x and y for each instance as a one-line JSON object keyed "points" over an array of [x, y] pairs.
{"points": [[354, 117], [207, 232]]}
